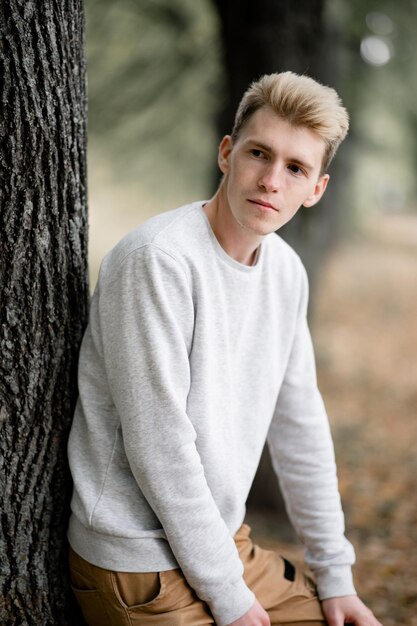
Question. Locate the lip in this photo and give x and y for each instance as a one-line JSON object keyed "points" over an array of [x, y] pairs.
{"points": [[262, 203]]}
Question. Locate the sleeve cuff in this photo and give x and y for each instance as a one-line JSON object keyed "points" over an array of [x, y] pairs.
{"points": [[334, 582], [232, 603]]}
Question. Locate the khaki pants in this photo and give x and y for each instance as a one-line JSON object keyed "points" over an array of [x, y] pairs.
{"points": [[166, 599]]}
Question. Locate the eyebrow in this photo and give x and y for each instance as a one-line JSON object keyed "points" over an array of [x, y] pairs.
{"points": [[295, 160]]}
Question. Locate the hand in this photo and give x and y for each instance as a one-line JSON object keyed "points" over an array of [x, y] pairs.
{"points": [[348, 610], [256, 616]]}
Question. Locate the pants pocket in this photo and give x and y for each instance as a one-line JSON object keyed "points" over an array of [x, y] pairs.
{"points": [[138, 590]]}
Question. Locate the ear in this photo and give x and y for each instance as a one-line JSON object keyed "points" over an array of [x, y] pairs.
{"points": [[319, 190], [225, 148]]}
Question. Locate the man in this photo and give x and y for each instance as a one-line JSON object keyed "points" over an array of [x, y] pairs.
{"points": [[196, 353]]}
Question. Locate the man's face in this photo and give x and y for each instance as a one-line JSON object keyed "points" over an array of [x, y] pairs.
{"points": [[270, 171]]}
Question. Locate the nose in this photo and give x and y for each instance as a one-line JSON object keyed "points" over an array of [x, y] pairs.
{"points": [[270, 178]]}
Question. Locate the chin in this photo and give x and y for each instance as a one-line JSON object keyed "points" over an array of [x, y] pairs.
{"points": [[263, 232], [266, 228]]}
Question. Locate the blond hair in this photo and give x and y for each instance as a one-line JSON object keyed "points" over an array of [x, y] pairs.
{"points": [[301, 101]]}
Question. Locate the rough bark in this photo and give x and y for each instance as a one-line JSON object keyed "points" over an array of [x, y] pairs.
{"points": [[43, 297]]}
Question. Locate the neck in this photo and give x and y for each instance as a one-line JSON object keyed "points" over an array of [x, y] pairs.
{"points": [[238, 243]]}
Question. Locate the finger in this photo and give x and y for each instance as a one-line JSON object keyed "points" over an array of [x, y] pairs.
{"points": [[336, 620]]}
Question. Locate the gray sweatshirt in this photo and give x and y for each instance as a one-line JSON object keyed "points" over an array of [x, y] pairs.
{"points": [[190, 362]]}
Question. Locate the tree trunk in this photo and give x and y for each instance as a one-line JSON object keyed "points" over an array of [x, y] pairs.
{"points": [[267, 36], [264, 37], [44, 297]]}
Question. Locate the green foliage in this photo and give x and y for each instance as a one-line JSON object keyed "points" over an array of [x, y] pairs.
{"points": [[153, 85], [381, 100]]}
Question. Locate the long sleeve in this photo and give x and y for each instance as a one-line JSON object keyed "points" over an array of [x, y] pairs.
{"points": [[302, 452], [146, 314]]}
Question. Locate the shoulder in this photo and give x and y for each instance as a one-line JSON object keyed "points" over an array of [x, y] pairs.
{"points": [[162, 230], [166, 236]]}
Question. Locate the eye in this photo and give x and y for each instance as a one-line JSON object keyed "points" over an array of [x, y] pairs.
{"points": [[258, 154], [295, 169]]}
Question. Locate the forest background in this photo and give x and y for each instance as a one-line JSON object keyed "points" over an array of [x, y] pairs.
{"points": [[164, 78]]}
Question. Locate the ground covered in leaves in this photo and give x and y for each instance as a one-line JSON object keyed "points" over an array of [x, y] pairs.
{"points": [[365, 333]]}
